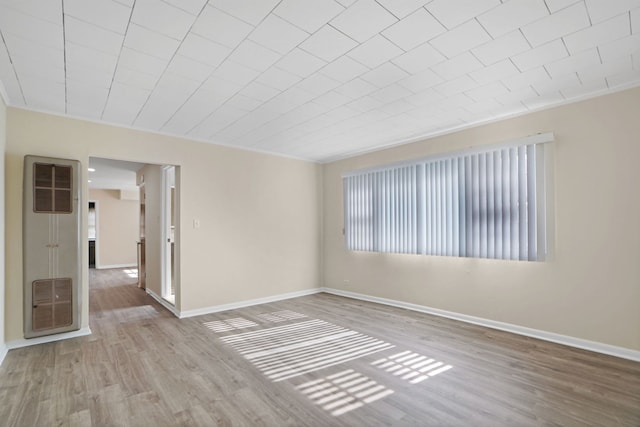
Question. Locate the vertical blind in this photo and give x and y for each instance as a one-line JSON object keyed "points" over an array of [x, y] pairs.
{"points": [[482, 204]]}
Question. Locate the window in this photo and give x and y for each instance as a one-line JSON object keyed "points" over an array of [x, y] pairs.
{"points": [[487, 203]]}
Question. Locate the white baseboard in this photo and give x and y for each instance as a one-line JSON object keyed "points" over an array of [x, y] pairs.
{"points": [[247, 303], [622, 352], [104, 267], [48, 338], [163, 302]]}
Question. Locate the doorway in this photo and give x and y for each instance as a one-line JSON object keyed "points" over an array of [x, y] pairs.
{"points": [[92, 225], [168, 220]]}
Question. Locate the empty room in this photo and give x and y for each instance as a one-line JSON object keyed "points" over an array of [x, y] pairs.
{"points": [[319, 212]]}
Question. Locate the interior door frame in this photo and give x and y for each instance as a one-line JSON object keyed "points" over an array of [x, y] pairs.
{"points": [[97, 252], [169, 267]]}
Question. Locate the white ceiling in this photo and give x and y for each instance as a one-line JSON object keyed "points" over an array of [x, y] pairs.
{"points": [[109, 174], [313, 79]]}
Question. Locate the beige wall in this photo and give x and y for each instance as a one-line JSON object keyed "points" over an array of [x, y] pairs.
{"points": [[118, 228], [259, 214], [3, 139], [591, 290]]}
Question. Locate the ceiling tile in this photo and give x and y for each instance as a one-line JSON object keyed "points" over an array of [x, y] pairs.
{"points": [[487, 91], [527, 78], [623, 47], [455, 67], [635, 21], [250, 11], [76, 54], [9, 80], [612, 29], [600, 10], [310, 15], [203, 50], [366, 103], [150, 42], [421, 81], [419, 59], [455, 12], [356, 88], [328, 44], [142, 62], [414, 30], [587, 88], [556, 25], [188, 68], [543, 101], [223, 117], [384, 75], [391, 93], [363, 20], [455, 86], [191, 6], [42, 94], [541, 55], [135, 78], [624, 79], [254, 56], [318, 84], [300, 63], [163, 18], [623, 64], [106, 14], [344, 69], [124, 103], [92, 36], [241, 102], [48, 11], [30, 28], [498, 71], [259, 91], [572, 64], [461, 39], [501, 48], [375, 51], [220, 27], [402, 8], [515, 97], [555, 84], [41, 57], [231, 71], [89, 74], [278, 79], [85, 100], [346, 3], [332, 99], [512, 15], [278, 34], [556, 5]]}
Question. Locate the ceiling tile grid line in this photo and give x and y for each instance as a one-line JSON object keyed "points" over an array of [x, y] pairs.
{"points": [[317, 79]]}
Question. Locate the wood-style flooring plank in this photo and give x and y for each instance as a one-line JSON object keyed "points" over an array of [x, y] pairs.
{"points": [[144, 367]]}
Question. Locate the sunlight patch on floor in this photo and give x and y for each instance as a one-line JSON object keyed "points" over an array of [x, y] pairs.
{"points": [[344, 391], [288, 351], [229, 324], [411, 367], [280, 316]]}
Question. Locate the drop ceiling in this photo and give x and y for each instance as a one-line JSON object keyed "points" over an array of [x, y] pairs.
{"points": [[312, 79]]}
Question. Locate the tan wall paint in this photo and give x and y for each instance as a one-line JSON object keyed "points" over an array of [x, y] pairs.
{"points": [[117, 228], [259, 214], [591, 290], [3, 143]]}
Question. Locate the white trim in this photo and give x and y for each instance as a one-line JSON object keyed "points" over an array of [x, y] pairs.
{"points": [[622, 352], [163, 302], [3, 352], [48, 338], [104, 267], [247, 303], [539, 138]]}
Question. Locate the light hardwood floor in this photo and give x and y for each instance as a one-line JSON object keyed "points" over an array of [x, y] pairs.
{"points": [[320, 360]]}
